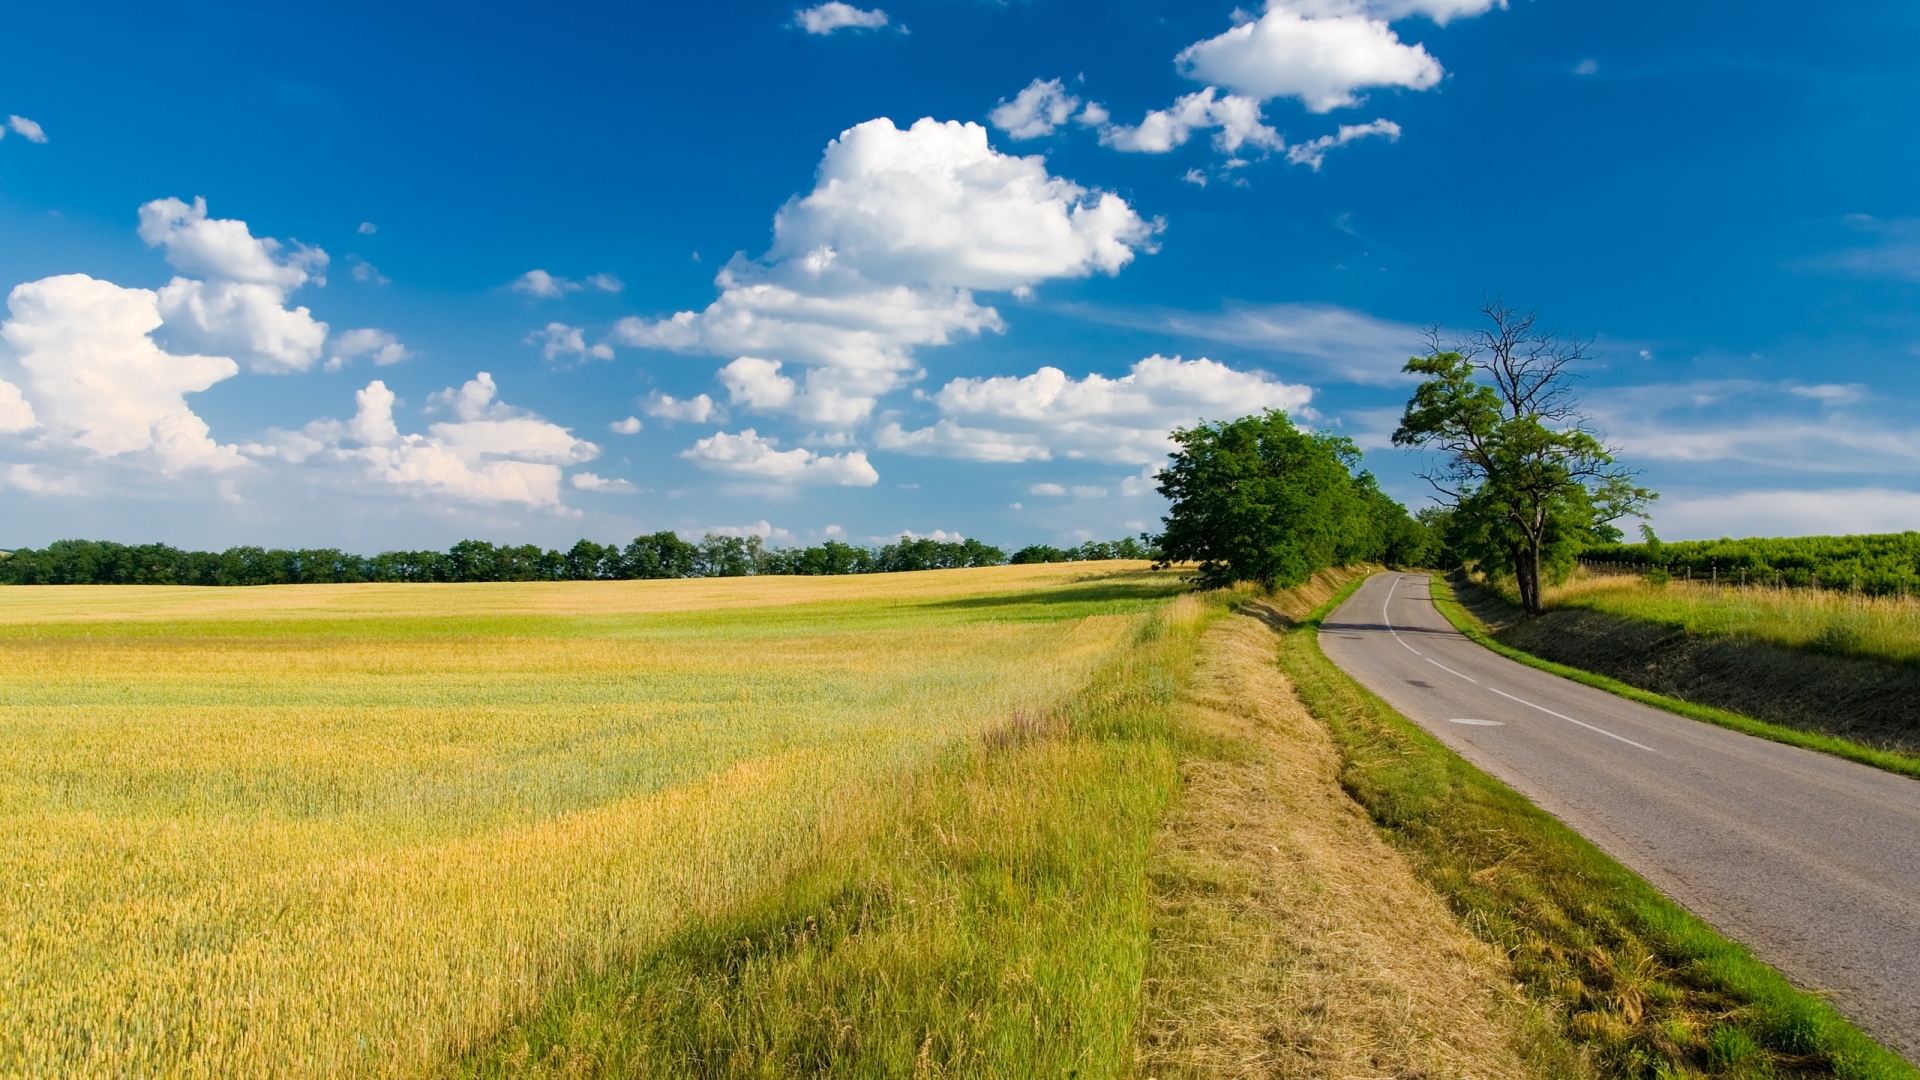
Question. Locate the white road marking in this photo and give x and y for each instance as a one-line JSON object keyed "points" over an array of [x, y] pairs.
{"points": [[1452, 672], [1571, 720], [1389, 621], [1494, 723]]}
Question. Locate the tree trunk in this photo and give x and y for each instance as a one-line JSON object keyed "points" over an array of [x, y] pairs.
{"points": [[1527, 573]]}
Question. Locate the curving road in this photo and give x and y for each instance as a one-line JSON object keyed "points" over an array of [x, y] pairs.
{"points": [[1810, 861]]}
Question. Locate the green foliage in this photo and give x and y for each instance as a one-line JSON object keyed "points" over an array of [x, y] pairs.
{"points": [[1884, 564], [658, 555], [1528, 484], [1091, 551], [1258, 499]]}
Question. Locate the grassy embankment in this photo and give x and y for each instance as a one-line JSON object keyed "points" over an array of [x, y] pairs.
{"points": [[1822, 670], [1643, 988], [363, 829]]}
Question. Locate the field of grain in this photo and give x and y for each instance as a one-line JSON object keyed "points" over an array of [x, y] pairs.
{"points": [[313, 830], [1825, 620]]}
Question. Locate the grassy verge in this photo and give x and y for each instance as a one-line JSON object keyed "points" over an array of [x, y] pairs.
{"points": [[995, 923], [1469, 624], [1643, 988]]}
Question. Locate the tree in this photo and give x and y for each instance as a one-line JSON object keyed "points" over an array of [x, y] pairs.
{"points": [[1527, 482], [1257, 499]]}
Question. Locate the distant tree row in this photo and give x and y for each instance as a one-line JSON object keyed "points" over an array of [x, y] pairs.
{"points": [[660, 555], [1883, 564]]}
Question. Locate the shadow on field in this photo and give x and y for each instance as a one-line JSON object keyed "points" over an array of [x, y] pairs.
{"points": [[1157, 588]]}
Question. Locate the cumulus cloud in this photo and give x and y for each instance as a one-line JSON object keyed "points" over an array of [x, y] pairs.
{"points": [[16, 413], [946, 438], [237, 306], [1340, 342], [383, 348], [748, 454], [828, 17], [490, 452], [1038, 110], [1237, 119], [558, 341], [606, 282], [544, 286], [367, 228], [1124, 420], [1321, 53], [883, 256], [1047, 489], [1314, 152], [35, 481], [630, 426], [586, 481], [695, 410], [27, 129], [95, 382]]}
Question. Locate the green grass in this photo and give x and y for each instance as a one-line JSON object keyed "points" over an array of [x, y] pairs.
{"points": [[995, 926], [1470, 625], [1644, 988]]}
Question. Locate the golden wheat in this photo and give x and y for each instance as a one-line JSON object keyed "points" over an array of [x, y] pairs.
{"points": [[356, 829]]}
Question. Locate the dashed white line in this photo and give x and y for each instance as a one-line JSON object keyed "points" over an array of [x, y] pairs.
{"points": [[1385, 618]]}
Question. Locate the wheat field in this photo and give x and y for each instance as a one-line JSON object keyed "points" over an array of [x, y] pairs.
{"points": [[357, 830]]}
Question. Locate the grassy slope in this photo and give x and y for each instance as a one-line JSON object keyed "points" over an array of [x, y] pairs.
{"points": [[1471, 625], [994, 923], [1642, 987], [350, 830]]}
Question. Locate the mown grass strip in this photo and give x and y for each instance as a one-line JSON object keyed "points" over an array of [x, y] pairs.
{"points": [[994, 922], [1642, 986], [1470, 625]]}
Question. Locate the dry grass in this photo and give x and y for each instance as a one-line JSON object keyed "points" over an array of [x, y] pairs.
{"points": [[356, 829], [1289, 939], [1824, 620]]}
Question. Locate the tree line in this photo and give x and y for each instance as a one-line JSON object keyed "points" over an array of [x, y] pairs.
{"points": [[658, 555], [1883, 564]]}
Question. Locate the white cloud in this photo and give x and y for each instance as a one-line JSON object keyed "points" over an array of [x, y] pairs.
{"points": [[1588, 66], [16, 414], [491, 452], [1323, 54], [946, 438], [763, 529], [1089, 491], [1039, 109], [586, 481], [1119, 420], [748, 454], [239, 309], [30, 479], [606, 282], [1314, 152], [367, 228], [1237, 118], [884, 254], [96, 381], [1046, 489], [367, 272], [27, 129], [1788, 513], [1831, 393], [1146, 483], [1343, 343], [828, 17], [382, 347], [757, 384], [559, 341], [544, 286], [630, 426], [695, 410]]}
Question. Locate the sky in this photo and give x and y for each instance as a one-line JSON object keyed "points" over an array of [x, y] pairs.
{"points": [[390, 276]]}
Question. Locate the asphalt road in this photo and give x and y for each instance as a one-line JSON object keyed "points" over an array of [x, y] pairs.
{"points": [[1810, 861]]}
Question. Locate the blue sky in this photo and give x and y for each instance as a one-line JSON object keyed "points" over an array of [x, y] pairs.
{"points": [[1114, 218]]}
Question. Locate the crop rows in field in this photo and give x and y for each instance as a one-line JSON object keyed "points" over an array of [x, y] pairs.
{"points": [[1884, 564]]}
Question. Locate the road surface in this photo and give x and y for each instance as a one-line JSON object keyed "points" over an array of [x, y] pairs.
{"points": [[1810, 861]]}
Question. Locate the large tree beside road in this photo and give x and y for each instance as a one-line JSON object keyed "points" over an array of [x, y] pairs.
{"points": [[1527, 481]]}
